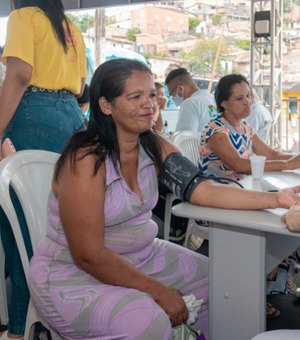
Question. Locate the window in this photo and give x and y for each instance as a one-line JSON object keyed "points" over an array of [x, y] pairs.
{"points": [[292, 105]]}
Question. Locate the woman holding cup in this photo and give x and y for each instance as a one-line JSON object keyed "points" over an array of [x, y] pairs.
{"points": [[231, 148], [227, 142]]}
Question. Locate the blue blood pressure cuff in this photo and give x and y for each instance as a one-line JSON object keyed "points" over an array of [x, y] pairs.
{"points": [[180, 175]]}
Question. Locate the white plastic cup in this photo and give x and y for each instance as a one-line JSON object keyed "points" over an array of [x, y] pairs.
{"points": [[257, 166]]}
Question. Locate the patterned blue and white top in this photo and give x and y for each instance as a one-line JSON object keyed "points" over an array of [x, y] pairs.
{"points": [[210, 163]]}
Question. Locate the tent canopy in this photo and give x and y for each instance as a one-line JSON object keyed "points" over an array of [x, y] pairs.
{"points": [[5, 7]]}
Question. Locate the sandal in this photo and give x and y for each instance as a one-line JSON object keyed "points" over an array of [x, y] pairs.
{"points": [[272, 312]]}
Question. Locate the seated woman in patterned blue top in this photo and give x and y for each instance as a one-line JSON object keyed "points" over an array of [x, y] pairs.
{"points": [[227, 142]]}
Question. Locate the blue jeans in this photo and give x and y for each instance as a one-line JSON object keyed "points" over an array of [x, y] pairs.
{"points": [[43, 120]]}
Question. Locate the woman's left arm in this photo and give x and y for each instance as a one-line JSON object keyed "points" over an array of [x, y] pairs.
{"points": [[211, 194], [276, 160], [17, 77], [261, 148]]}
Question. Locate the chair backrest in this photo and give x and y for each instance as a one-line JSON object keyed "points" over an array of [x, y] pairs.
{"points": [[29, 172], [188, 142]]}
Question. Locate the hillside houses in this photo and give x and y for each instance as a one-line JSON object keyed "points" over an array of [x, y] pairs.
{"points": [[165, 32]]}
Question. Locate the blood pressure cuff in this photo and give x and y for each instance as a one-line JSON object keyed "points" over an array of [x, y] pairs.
{"points": [[180, 175]]}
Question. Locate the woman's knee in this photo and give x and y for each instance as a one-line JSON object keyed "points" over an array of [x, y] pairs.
{"points": [[142, 319]]}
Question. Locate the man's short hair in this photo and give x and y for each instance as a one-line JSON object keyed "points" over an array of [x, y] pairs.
{"points": [[176, 73]]}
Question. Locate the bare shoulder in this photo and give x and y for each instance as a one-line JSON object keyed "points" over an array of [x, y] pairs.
{"points": [[167, 146], [80, 171]]}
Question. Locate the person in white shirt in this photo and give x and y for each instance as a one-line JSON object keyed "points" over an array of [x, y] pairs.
{"points": [[197, 106], [260, 118]]}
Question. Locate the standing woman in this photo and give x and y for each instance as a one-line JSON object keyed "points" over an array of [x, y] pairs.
{"points": [[161, 105], [45, 70]]}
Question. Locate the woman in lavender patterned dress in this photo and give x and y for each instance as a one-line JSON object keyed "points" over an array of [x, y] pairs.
{"points": [[101, 273]]}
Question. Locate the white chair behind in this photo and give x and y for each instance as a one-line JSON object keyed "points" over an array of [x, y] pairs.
{"points": [[188, 142], [29, 172]]}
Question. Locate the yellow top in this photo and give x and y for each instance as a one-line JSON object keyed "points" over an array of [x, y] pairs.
{"points": [[30, 37]]}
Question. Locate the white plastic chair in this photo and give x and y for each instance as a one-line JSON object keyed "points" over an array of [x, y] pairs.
{"points": [[280, 334], [29, 172], [188, 142]]}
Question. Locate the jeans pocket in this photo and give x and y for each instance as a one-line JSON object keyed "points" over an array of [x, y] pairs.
{"points": [[45, 117]]}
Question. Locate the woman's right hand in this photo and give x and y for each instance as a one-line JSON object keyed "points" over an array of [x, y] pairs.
{"points": [[171, 301], [162, 102]]}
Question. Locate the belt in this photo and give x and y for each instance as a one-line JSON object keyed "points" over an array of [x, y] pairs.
{"points": [[39, 89]]}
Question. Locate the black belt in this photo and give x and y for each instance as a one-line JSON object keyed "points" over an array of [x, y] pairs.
{"points": [[39, 89]]}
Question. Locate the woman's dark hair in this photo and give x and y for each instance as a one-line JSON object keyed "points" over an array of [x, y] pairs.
{"points": [[100, 136], [158, 85], [224, 88], [54, 10]]}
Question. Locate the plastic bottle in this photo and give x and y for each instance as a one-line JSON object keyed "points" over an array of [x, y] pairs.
{"points": [[165, 128]]}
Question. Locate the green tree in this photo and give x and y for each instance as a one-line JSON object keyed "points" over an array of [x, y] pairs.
{"points": [[132, 32], [84, 21], [216, 19], [243, 43], [110, 20], [193, 23], [201, 58], [287, 6]]}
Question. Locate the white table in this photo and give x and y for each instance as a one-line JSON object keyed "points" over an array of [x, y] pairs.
{"points": [[243, 247]]}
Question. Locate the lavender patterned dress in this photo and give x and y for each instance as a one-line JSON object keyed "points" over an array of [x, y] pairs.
{"points": [[78, 306]]}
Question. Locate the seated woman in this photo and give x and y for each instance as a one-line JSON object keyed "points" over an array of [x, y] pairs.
{"points": [[101, 272], [227, 142]]}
